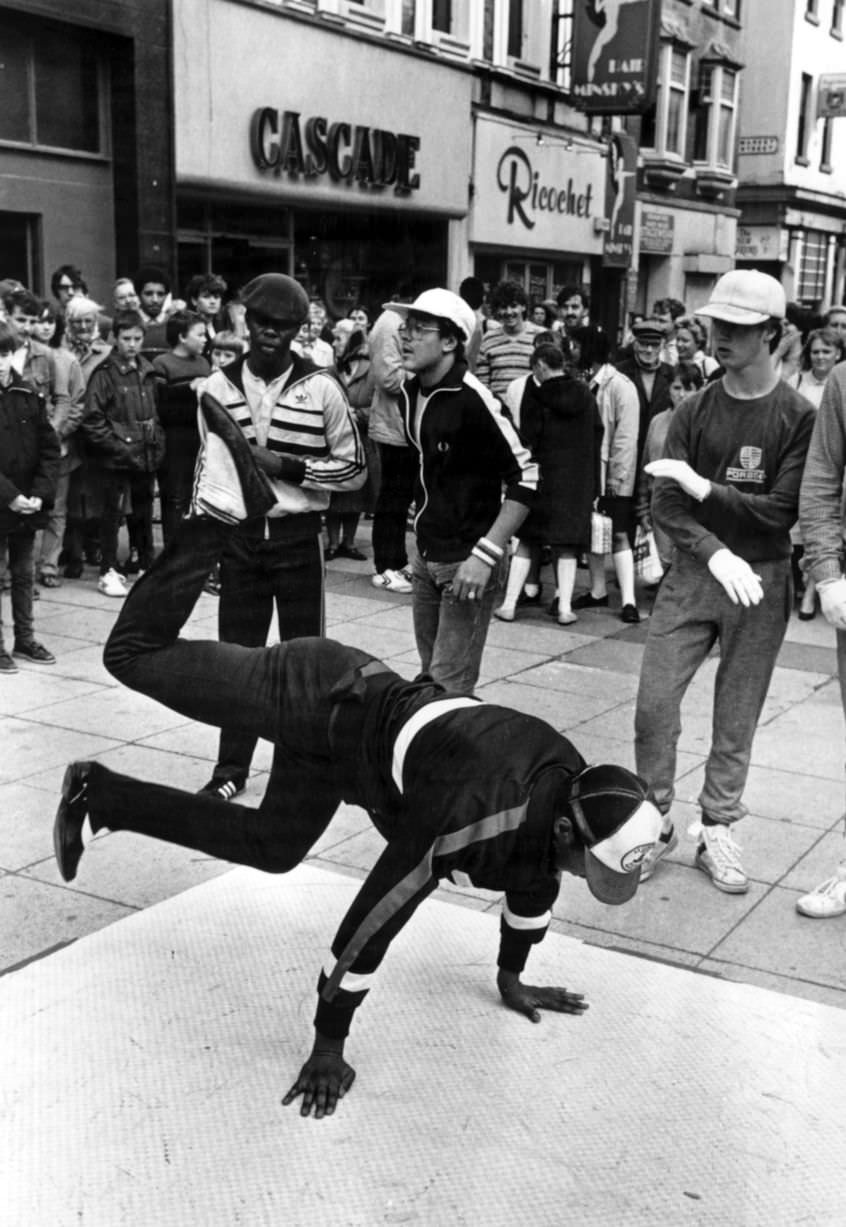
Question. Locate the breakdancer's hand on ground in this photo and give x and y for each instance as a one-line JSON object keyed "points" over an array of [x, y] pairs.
{"points": [[530, 1000], [323, 1080]]}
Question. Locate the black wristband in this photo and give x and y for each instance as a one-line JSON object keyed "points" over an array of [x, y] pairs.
{"points": [[291, 470]]}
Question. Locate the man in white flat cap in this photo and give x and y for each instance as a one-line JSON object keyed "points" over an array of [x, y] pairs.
{"points": [[726, 494], [469, 453]]}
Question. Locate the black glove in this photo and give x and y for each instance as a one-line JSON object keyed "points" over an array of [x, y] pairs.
{"points": [[279, 466]]}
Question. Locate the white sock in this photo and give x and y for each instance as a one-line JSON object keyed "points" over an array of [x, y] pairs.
{"points": [[624, 567], [598, 587], [520, 565], [565, 571], [531, 589]]}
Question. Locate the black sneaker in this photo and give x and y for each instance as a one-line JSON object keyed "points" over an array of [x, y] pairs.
{"points": [[225, 790], [7, 665], [588, 601], [629, 614], [34, 651], [131, 566], [72, 812]]}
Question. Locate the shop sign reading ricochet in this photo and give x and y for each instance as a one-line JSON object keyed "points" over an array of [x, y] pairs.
{"points": [[372, 157], [527, 195]]}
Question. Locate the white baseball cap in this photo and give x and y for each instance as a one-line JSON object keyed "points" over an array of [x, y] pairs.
{"points": [[745, 296], [442, 304]]}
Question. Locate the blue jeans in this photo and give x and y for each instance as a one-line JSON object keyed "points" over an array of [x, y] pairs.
{"points": [[692, 613], [451, 634]]}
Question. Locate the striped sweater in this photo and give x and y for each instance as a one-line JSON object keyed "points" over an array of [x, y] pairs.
{"points": [[312, 421], [504, 356]]}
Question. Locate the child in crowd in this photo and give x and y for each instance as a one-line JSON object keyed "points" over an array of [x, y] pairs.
{"points": [[179, 372], [687, 377], [29, 470], [122, 427], [226, 347]]}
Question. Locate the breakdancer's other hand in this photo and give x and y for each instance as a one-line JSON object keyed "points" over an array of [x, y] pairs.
{"points": [[323, 1080], [530, 1000]]}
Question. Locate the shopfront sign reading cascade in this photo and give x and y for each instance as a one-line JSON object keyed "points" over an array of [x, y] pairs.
{"points": [[280, 142]]}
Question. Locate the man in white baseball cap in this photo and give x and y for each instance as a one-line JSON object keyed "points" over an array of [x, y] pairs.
{"points": [[469, 452], [726, 495]]}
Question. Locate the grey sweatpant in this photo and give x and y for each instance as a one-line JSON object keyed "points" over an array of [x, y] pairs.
{"points": [[692, 612]]}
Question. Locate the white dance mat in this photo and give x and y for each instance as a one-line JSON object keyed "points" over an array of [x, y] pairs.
{"points": [[142, 1071]]}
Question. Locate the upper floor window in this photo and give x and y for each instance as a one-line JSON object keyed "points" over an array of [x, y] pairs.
{"points": [[51, 86], [665, 127], [825, 146], [716, 116], [516, 29], [803, 128], [812, 10], [837, 17], [430, 21]]}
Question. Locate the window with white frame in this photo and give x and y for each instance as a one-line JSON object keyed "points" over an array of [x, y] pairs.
{"points": [[825, 145], [716, 116], [443, 22], [803, 127], [665, 127], [837, 17]]}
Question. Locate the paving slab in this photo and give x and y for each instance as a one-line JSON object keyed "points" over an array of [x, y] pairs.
{"points": [[28, 747], [148, 1061], [37, 918], [777, 939]]}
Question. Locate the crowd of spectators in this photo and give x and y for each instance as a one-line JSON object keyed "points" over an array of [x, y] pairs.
{"points": [[511, 435]]}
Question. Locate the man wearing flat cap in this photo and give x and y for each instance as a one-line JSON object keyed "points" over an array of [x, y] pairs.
{"points": [[298, 421], [651, 376], [726, 494]]}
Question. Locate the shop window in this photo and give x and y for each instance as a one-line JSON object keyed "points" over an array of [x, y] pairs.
{"points": [[51, 88], [803, 127], [665, 125], [716, 115]]}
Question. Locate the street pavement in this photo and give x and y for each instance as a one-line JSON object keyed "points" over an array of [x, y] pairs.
{"points": [[582, 679]]}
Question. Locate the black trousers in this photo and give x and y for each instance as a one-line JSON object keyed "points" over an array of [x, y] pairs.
{"points": [[259, 572], [281, 693], [399, 473]]}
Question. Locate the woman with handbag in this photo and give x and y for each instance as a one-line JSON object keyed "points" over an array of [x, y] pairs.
{"points": [[619, 410], [122, 428], [560, 425]]}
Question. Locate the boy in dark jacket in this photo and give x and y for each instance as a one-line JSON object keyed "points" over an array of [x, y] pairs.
{"points": [[29, 470], [122, 428]]}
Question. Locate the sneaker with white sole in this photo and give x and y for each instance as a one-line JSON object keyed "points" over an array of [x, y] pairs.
{"points": [[667, 842], [391, 581], [826, 900], [718, 855], [112, 584]]}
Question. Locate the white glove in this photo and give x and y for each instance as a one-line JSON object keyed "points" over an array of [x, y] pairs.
{"points": [[741, 583], [680, 472], [832, 593]]}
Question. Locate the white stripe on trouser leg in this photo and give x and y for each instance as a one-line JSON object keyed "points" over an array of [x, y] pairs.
{"points": [[352, 983], [524, 922]]}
